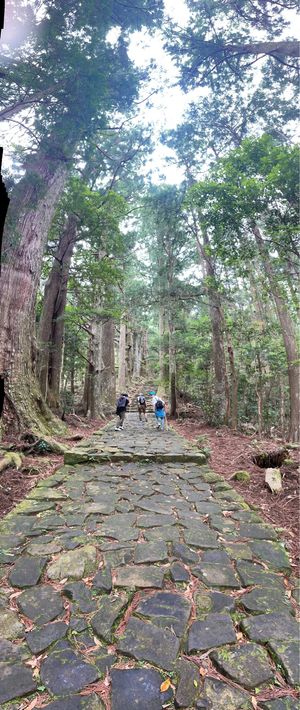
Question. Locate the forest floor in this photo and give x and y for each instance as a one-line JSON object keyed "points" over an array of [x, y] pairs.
{"points": [[230, 451], [15, 484]]}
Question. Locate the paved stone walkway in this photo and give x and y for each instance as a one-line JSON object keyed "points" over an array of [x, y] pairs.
{"points": [[149, 566]]}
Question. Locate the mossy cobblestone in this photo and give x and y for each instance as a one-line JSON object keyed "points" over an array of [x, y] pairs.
{"points": [[123, 556]]}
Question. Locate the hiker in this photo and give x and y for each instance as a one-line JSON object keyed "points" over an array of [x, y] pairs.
{"points": [[122, 404], [154, 400], [160, 413], [142, 406]]}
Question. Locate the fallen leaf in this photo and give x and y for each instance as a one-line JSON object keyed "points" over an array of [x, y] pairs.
{"points": [[195, 684], [15, 594], [33, 663], [239, 636], [202, 672], [165, 685], [32, 705], [254, 702], [91, 649]]}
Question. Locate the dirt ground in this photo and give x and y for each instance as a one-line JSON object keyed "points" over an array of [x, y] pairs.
{"points": [[14, 485], [232, 451]]}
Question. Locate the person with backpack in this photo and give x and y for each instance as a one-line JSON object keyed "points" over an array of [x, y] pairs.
{"points": [[142, 406], [122, 405], [160, 413], [154, 400]]}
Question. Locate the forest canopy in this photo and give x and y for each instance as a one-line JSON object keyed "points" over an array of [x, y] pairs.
{"points": [[151, 160]]}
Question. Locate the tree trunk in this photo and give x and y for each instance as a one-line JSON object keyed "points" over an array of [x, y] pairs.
{"points": [[289, 339], [96, 369], [129, 353], [172, 366], [108, 374], [282, 408], [24, 405], [84, 406], [260, 395], [122, 357], [285, 48], [51, 327], [234, 386], [221, 390], [163, 352], [137, 359]]}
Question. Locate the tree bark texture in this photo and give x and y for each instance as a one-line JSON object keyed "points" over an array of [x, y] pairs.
{"points": [[289, 339], [138, 353], [34, 203], [163, 350], [108, 374], [52, 325], [129, 353], [172, 369], [122, 357]]}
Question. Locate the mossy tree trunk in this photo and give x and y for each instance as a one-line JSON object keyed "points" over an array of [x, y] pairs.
{"points": [[33, 204]]}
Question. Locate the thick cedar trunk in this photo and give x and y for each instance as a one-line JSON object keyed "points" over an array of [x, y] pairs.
{"points": [[34, 202], [137, 357], [221, 390], [108, 374], [122, 357], [289, 339], [96, 369], [51, 327], [129, 353]]}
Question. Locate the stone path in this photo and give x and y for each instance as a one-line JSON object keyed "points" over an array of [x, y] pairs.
{"points": [[149, 566]]}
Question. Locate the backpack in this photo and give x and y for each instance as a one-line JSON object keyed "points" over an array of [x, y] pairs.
{"points": [[159, 404], [141, 400], [122, 402]]}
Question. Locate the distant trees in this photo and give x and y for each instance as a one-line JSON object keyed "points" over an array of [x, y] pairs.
{"points": [[75, 79]]}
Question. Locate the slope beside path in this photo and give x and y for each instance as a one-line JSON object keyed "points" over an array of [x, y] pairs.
{"points": [[136, 577]]}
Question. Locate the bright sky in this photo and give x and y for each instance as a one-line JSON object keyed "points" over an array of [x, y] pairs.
{"points": [[165, 109], [157, 113]]}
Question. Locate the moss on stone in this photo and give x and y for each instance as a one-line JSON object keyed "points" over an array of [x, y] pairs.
{"points": [[242, 476]]}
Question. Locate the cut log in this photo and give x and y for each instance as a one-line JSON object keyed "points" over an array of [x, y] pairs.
{"points": [[273, 479]]}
